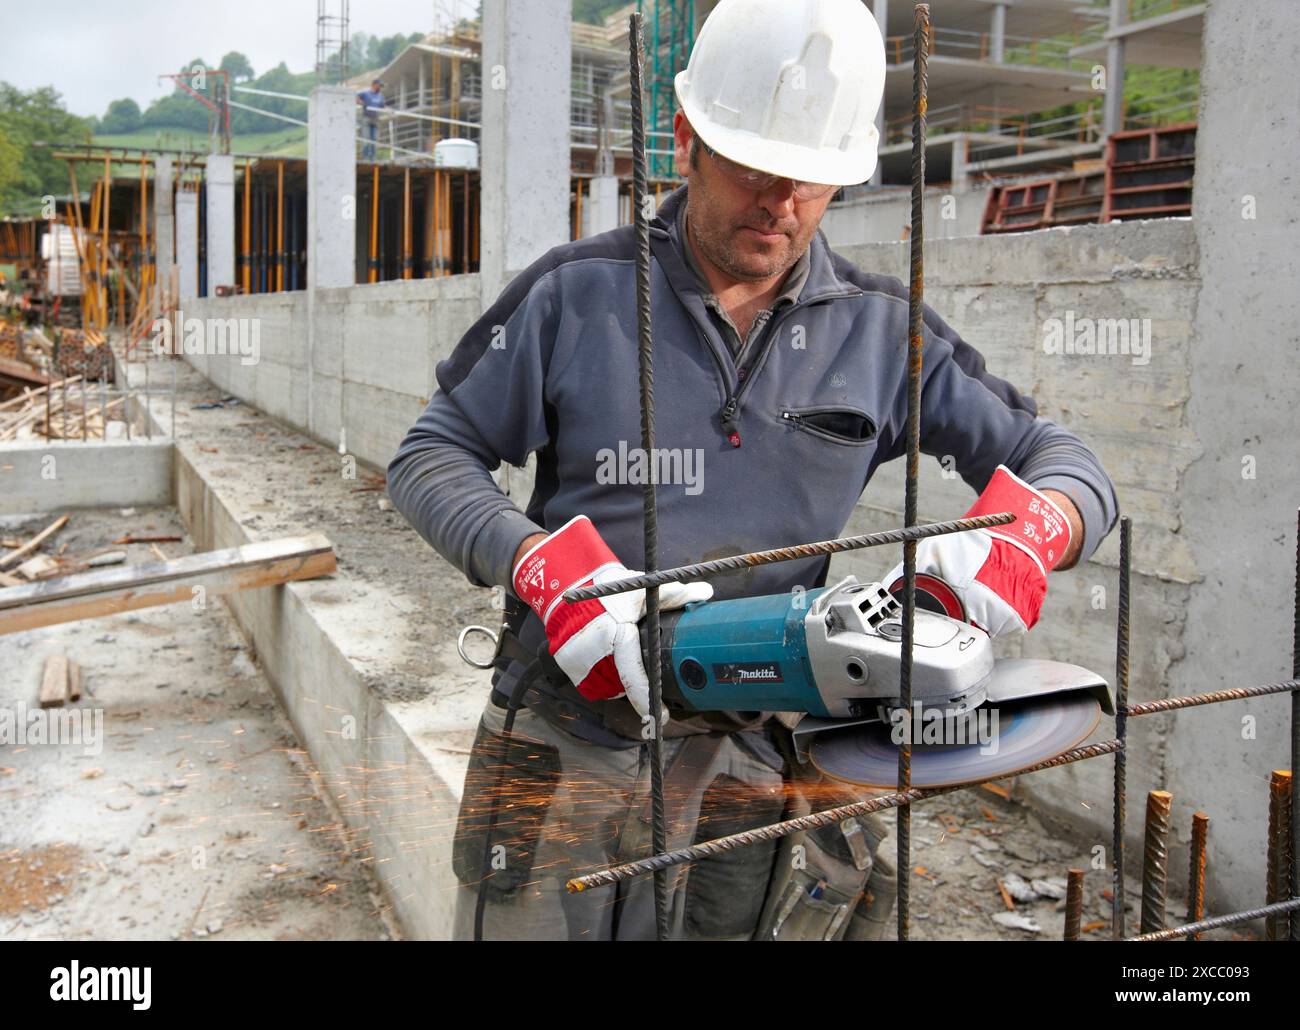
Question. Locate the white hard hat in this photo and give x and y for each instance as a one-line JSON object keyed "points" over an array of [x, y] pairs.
{"points": [[790, 87]]}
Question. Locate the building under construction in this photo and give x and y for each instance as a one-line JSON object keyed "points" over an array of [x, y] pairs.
{"points": [[308, 302]]}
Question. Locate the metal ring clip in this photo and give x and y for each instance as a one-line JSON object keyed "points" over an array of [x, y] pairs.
{"points": [[460, 646]]}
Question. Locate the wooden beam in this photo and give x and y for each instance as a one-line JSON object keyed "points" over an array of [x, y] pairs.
{"points": [[34, 542], [54, 681], [89, 595]]}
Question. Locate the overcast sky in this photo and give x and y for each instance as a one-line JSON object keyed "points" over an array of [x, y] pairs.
{"points": [[94, 51]]}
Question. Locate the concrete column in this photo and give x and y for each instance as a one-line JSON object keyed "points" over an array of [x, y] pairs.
{"points": [[187, 243], [525, 136], [331, 187], [960, 177], [1113, 108], [601, 207], [880, 8], [164, 224], [220, 172], [1241, 404], [998, 32]]}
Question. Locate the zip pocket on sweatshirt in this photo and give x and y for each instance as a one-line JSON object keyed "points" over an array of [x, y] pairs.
{"points": [[842, 425]]}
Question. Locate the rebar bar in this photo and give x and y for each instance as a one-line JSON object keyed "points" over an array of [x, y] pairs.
{"points": [[641, 218], [1155, 861], [1169, 704], [915, 329], [1196, 870], [778, 554], [1073, 904], [1277, 878], [1121, 731], [1218, 922], [1295, 739], [813, 821]]}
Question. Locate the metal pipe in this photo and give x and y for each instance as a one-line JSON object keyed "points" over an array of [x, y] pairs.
{"points": [[1121, 730], [1196, 872], [1277, 886], [915, 329], [1155, 861], [1073, 904], [245, 270], [279, 226], [372, 262], [103, 257], [778, 554], [813, 821], [406, 223]]}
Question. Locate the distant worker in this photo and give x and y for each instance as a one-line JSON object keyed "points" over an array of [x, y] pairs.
{"points": [[372, 102]]}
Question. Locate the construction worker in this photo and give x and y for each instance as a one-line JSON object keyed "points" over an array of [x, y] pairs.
{"points": [[372, 104], [781, 367]]}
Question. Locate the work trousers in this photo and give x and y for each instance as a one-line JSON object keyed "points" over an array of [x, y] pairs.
{"points": [[567, 807]]}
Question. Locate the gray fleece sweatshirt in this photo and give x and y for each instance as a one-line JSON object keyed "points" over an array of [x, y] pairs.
{"points": [[756, 450]]}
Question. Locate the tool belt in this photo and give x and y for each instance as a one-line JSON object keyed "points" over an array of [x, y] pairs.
{"points": [[550, 695]]}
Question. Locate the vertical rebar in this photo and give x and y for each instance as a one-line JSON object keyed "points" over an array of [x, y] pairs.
{"points": [[1073, 904], [1295, 740], [1196, 872], [915, 327], [1279, 845], [645, 339], [1155, 861], [1121, 730]]}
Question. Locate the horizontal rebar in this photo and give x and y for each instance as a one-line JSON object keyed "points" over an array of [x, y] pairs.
{"points": [[706, 849], [1218, 922], [778, 554], [1169, 704]]}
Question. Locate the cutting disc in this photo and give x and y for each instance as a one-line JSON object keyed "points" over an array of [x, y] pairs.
{"points": [[1027, 732]]}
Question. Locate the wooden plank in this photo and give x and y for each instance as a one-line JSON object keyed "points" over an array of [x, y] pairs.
{"points": [[74, 680], [54, 681], [34, 542], [108, 591]]}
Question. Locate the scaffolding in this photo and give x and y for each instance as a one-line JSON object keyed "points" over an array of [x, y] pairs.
{"points": [[671, 34]]}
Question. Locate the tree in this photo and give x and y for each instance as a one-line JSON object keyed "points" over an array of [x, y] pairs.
{"points": [[122, 116], [236, 64], [28, 119]]}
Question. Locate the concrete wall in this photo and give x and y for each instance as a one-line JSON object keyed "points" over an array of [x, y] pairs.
{"points": [[1000, 293], [887, 216], [52, 475], [372, 358], [1238, 531]]}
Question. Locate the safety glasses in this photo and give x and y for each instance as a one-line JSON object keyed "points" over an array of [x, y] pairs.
{"points": [[752, 179]]}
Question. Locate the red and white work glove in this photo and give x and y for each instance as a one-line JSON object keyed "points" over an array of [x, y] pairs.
{"points": [[994, 578], [596, 643]]}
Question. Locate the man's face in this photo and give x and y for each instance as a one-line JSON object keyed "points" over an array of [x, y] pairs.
{"points": [[749, 235]]}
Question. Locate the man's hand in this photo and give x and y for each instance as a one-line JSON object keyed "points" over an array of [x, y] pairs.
{"points": [[596, 643], [1000, 574]]}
